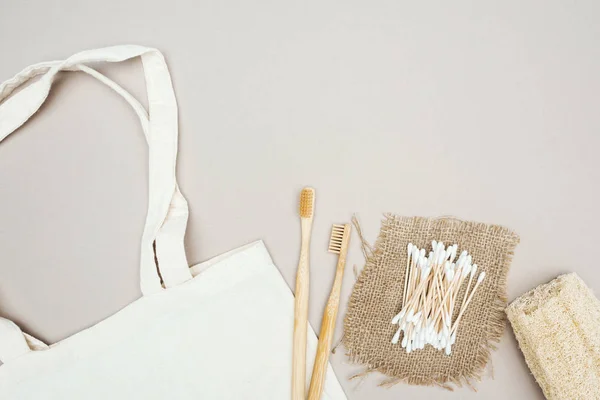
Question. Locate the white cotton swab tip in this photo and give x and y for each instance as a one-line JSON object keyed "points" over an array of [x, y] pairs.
{"points": [[481, 277], [441, 257], [440, 247], [452, 253], [448, 349], [428, 260], [404, 341], [396, 336], [410, 246], [415, 253], [467, 269], [463, 271], [449, 253], [433, 245], [474, 270]]}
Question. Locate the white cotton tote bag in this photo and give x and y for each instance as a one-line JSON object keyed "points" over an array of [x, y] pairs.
{"points": [[218, 330]]}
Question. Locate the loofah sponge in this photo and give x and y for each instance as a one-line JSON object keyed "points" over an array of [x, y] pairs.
{"points": [[557, 326]]}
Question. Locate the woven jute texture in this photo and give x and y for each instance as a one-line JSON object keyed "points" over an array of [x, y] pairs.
{"points": [[557, 326], [377, 297]]}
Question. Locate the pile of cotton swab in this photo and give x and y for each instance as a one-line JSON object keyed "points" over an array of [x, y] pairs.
{"points": [[431, 287]]}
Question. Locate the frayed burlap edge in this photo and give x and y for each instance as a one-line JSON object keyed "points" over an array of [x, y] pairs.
{"points": [[495, 328]]}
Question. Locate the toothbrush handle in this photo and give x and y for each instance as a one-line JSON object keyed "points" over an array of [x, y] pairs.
{"points": [[327, 331], [301, 316]]}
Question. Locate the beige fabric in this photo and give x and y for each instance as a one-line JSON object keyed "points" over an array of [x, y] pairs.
{"points": [[219, 330], [377, 297], [558, 329]]}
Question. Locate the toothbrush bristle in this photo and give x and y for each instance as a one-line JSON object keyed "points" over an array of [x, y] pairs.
{"points": [[307, 202], [337, 238]]}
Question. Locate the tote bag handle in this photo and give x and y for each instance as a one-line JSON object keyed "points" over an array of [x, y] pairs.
{"points": [[162, 252]]}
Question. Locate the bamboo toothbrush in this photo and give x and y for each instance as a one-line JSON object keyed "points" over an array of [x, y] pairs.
{"points": [[306, 209], [338, 244]]}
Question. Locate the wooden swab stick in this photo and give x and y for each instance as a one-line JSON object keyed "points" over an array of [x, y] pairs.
{"points": [[462, 311], [473, 272], [411, 274], [410, 245], [415, 271], [404, 313]]}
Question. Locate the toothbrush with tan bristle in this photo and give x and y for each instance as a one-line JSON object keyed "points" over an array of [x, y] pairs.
{"points": [[338, 244], [306, 210]]}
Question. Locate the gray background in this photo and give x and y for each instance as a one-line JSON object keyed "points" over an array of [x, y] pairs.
{"points": [[485, 110]]}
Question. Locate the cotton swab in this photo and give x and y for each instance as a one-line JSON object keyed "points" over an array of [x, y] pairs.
{"points": [[431, 286], [473, 272], [410, 246], [462, 311]]}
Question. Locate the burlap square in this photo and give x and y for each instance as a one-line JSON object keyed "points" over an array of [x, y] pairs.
{"points": [[377, 297]]}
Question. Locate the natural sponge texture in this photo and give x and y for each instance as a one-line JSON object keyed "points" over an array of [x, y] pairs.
{"points": [[557, 326]]}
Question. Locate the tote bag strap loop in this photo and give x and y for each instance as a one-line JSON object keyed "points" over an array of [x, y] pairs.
{"points": [[166, 221], [35, 70]]}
